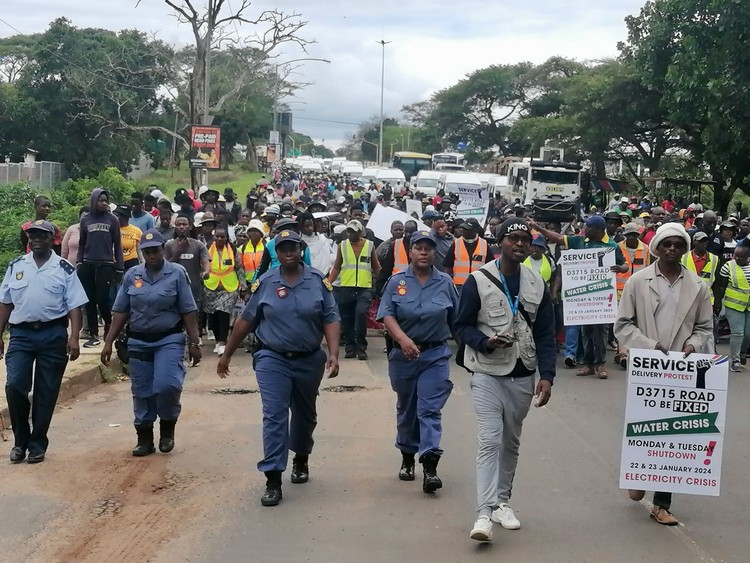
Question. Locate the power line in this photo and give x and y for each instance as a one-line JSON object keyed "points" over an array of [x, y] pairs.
{"points": [[99, 76], [326, 120]]}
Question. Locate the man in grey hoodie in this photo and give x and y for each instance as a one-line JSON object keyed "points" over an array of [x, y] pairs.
{"points": [[99, 262]]}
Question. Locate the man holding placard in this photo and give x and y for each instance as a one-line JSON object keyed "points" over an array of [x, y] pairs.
{"points": [[665, 307]]}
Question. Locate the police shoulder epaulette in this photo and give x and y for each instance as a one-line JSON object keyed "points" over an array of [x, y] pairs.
{"points": [[254, 286], [67, 266], [16, 259]]}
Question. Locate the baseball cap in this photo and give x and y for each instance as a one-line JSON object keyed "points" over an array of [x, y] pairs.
{"points": [[123, 210], [631, 228], [287, 236], [151, 239], [538, 240], [272, 210], [471, 223], [510, 225], [41, 225], [699, 235], [596, 221], [431, 214], [355, 225], [612, 216], [624, 199], [418, 236], [255, 224], [285, 223]]}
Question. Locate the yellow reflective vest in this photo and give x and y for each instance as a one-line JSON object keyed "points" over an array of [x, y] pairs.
{"points": [[737, 295], [708, 275], [545, 269], [222, 270], [356, 272]]}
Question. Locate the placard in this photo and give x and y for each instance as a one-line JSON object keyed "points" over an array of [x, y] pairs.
{"points": [[589, 291], [414, 206], [674, 422], [474, 201], [382, 217]]}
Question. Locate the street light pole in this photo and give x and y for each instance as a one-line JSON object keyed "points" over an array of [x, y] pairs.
{"points": [[383, 43]]}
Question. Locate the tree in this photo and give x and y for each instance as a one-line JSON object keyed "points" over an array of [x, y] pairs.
{"points": [[690, 53]]}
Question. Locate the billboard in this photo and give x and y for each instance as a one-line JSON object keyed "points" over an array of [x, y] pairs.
{"points": [[205, 147]]}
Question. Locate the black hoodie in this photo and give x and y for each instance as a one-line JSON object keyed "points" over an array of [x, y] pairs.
{"points": [[100, 236]]}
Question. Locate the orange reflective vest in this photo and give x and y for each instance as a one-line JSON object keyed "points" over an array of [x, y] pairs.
{"points": [[463, 264], [251, 258], [222, 270], [400, 256], [641, 260]]}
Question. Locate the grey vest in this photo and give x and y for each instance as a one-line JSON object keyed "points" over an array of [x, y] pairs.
{"points": [[495, 317]]}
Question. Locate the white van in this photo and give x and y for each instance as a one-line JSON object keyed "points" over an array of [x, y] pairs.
{"points": [[450, 183], [426, 182], [391, 175], [352, 169], [444, 167], [311, 167], [498, 185]]}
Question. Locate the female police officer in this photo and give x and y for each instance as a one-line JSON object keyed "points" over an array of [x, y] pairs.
{"points": [[155, 298], [417, 309], [290, 309]]}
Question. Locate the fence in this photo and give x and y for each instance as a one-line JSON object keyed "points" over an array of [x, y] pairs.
{"points": [[43, 174]]}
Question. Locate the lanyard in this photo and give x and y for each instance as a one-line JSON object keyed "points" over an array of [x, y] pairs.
{"points": [[512, 302]]}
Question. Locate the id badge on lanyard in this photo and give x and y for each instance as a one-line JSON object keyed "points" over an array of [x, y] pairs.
{"points": [[514, 303]]}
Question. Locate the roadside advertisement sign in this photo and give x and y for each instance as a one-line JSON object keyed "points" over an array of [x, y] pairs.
{"points": [[271, 153], [674, 422], [473, 202], [205, 147], [589, 290]]}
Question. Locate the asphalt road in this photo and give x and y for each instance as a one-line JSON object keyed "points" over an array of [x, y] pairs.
{"points": [[91, 501]]}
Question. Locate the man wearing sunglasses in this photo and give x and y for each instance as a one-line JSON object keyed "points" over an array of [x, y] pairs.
{"points": [[507, 322], [666, 307]]}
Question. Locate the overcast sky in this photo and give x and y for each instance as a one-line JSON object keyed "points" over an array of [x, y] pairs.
{"points": [[434, 43]]}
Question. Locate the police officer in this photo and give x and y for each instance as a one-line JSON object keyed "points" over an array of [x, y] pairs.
{"points": [[417, 309], [39, 294], [157, 303], [290, 309]]}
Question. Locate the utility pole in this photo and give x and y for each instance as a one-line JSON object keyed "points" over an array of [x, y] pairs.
{"points": [[383, 43]]}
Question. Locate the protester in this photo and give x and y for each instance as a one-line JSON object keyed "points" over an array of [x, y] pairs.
{"points": [[418, 308], [157, 304], [138, 217], [223, 284], [357, 262], [506, 321], [468, 253], [100, 262], [42, 209], [701, 262], [668, 308], [130, 237], [291, 309], [73, 236], [732, 288]]}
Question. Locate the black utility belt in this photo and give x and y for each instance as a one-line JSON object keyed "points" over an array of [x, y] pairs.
{"points": [[287, 355], [36, 325], [422, 346], [153, 336]]}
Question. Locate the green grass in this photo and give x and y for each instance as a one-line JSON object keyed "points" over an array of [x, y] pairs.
{"points": [[170, 180]]}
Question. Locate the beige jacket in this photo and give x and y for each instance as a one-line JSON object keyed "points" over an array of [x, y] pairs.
{"points": [[693, 320]]}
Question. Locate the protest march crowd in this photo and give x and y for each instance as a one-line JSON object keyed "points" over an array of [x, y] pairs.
{"points": [[307, 257]]}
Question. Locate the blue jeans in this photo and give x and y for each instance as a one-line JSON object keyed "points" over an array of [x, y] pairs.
{"points": [[739, 339], [573, 344]]}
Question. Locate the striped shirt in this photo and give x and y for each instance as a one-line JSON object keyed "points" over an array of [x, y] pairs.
{"points": [[724, 272]]}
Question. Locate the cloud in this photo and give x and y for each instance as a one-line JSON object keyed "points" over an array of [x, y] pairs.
{"points": [[433, 44]]}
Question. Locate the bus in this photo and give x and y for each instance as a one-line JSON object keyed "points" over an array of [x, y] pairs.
{"points": [[453, 158], [410, 163]]}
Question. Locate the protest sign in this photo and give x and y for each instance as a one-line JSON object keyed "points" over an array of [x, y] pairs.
{"points": [[674, 422], [589, 291], [474, 201], [414, 206], [382, 217]]}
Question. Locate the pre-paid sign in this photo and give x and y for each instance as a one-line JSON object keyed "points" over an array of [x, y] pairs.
{"points": [[589, 290], [674, 422]]}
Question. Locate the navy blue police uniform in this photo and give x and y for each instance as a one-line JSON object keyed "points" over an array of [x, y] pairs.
{"points": [[288, 320], [156, 337], [425, 313], [41, 298]]}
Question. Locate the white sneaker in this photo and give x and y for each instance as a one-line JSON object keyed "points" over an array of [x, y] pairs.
{"points": [[216, 349], [220, 349], [211, 336], [504, 516], [482, 530]]}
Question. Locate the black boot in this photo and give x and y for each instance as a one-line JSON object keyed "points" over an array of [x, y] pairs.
{"points": [[166, 435], [431, 482], [145, 440], [300, 470], [272, 496], [407, 467]]}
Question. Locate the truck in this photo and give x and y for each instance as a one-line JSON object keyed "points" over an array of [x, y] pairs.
{"points": [[549, 189]]}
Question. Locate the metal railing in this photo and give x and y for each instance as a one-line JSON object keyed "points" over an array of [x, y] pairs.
{"points": [[44, 174]]}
